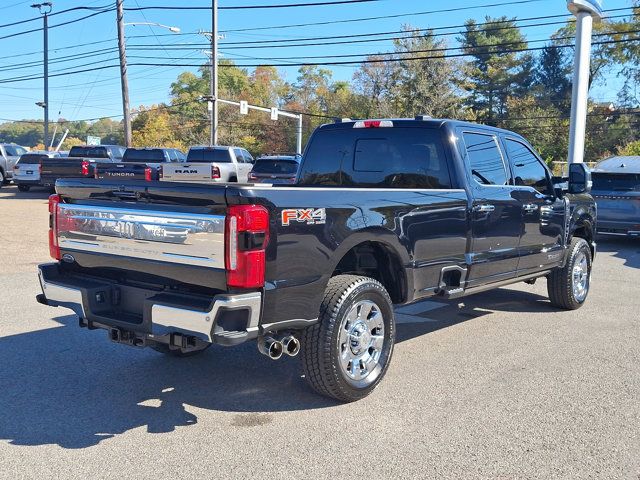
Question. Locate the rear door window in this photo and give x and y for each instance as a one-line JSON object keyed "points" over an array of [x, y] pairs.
{"points": [[239, 155], [485, 161], [395, 157]]}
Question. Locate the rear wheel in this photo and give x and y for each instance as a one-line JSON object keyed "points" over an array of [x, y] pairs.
{"points": [[178, 352], [347, 353], [568, 286], [233, 179], [24, 188]]}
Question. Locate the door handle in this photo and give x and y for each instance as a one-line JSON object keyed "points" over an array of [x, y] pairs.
{"points": [[486, 208], [530, 207]]}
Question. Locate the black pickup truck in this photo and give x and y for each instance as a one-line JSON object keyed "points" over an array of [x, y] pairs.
{"points": [[79, 163], [384, 213], [138, 164]]}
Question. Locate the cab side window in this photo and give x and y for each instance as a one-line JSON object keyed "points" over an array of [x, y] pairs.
{"points": [[528, 171], [239, 155], [485, 159]]}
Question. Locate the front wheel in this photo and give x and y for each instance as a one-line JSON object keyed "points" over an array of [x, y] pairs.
{"points": [[568, 286], [24, 188], [2, 178], [347, 353]]}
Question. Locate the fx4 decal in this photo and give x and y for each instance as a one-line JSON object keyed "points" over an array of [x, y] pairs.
{"points": [[310, 216]]}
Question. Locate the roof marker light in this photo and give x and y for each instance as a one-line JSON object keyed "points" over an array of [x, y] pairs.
{"points": [[373, 124]]}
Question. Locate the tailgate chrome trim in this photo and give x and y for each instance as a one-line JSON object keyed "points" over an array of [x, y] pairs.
{"points": [[183, 238]]}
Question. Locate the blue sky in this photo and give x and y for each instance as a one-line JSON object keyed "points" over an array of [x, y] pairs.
{"points": [[96, 94]]}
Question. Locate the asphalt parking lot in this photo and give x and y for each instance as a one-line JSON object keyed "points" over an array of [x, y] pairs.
{"points": [[498, 385]]}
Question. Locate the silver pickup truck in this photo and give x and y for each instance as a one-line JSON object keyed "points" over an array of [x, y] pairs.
{"points": [[9, 155], [210, 165]]}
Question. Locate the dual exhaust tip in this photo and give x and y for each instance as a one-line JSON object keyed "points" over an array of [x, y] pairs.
{"points": [[274, 349]]}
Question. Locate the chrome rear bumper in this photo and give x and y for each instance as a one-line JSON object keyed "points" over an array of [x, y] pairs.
{"points": [[165, 319]]}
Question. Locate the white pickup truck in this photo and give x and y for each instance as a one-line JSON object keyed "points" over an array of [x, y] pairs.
{"points": [[210, 165], [9, 155]]}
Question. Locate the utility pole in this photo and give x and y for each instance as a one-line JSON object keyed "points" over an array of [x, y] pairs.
{"points": [[213, 139], [586, 11], [45, 9], [123, 73]]}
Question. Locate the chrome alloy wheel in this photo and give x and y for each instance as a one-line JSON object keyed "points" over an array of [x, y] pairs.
{"points": [[361, 342], [580, 277]]}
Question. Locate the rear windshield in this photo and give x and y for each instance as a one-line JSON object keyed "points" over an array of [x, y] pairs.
{"points": [[150, 155], [209, 155], [31, 159], [395, 157], [276, 166], [616, 181], [88, 152]]}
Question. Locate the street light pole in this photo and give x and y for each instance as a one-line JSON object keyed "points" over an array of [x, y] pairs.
{"points": [[213, 139], [126, 111], [585, 11], [45, 9]]}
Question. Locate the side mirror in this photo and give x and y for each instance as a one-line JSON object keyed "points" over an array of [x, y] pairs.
{"points": [[579, 178]]}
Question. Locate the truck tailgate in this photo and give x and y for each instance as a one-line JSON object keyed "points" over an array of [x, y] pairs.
{"points": [[176, 234], [186, 172], [54, 168]]}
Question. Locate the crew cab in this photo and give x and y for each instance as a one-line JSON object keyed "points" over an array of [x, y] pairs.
{"points": [[27, 172], [211, 165], [616, 190], [383, 213], [79, 162], [139, 164], [9, 155]]}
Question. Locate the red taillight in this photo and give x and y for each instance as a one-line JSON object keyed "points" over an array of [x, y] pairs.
{"points": [[54, 210], [147, 174], [215, 172], [246, 238], [85, 168], [373, 124], [39, 168]]}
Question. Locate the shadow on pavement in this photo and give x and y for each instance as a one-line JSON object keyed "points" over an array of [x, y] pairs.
{"points": [[627, 249], [11, 192], [73, 388]]}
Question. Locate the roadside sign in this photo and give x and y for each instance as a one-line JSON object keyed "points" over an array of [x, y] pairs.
{"points": [[274, 113], [244, 107], [93, 140]]}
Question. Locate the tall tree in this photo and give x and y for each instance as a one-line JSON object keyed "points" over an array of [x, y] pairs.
{"points": [[552, 78], [425, 79], [497, 70]]}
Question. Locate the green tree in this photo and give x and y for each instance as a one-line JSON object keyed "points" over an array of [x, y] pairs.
{"points": [[497, 71], [552, 78]]}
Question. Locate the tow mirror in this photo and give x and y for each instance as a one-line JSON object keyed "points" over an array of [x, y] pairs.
{"points": [[579, 178]]}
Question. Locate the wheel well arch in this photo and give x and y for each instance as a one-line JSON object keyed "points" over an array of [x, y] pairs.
{"points": [[377, 260], [584, 229]]}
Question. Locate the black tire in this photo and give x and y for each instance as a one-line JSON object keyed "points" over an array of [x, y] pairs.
{"points": [[233, 180], [178, 352], [560, 283], [24, 188], [323, 350], [2, 178]]}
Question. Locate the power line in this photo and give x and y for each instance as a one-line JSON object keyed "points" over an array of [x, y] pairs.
{"points": [[253, 7]]}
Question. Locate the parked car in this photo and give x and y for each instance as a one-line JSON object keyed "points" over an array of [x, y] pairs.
{"points": [[79, 162], [10, 153], [27, 172], [139, 164], [275, 169], [211, 165], [384, 212], [616, 189]]}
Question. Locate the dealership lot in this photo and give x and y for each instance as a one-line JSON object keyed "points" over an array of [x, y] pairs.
{"points": [[495, 385]]}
